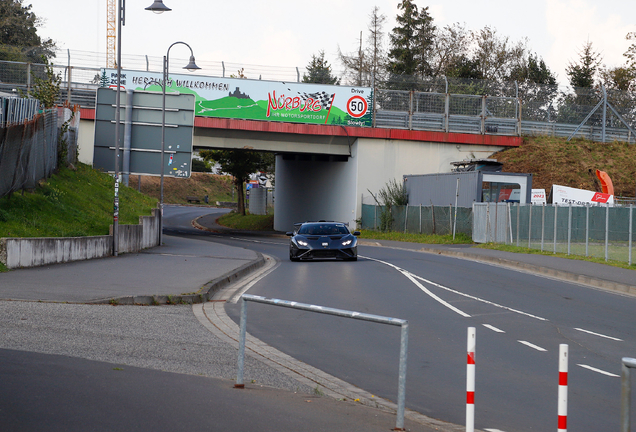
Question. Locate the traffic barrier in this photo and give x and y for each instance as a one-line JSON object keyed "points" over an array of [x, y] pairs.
{"points": [[470, 381], [563, 388]]}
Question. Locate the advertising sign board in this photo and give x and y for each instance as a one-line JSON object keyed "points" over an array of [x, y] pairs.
{"points": [[563, 195], [260, 100]]}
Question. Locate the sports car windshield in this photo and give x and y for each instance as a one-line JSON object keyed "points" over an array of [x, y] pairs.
{"points": [[323, 229]]}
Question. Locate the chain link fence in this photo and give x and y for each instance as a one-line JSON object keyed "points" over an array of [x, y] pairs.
{"points": [[418, 219], [406, 102], [594, 231]]}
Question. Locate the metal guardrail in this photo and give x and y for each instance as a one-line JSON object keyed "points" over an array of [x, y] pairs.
{"points": [[511, 109], [399, 424], [626, 392]]}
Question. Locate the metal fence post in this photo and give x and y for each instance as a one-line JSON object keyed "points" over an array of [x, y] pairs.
{"points": [[447, 113], [420, 218], [569, 227], [406, 217], [587, 228], [483, 115], [518, 211], [404, 346], [556, 208], [606, 231], [530, 227], [631, 222], [626, 392], [542, 225], [241, 353]]}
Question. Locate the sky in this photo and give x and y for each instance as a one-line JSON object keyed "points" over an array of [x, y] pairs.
{"points": [[267, 35]]}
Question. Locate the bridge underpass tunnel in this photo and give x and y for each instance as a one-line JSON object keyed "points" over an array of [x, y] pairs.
{"points": [[314, 187]]}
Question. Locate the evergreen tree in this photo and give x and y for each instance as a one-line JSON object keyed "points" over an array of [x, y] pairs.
{"points": [[319, 71], [19, 40], [411, 41], [103, 80], [583, 73]]}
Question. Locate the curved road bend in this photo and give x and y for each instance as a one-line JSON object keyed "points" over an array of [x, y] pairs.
{"points": [[521, 319]]}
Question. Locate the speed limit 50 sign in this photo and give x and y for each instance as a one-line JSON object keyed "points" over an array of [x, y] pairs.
{"points": [[357, 106]]}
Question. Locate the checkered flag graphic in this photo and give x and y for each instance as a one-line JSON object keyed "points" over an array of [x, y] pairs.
{"points": [[324, 98]]}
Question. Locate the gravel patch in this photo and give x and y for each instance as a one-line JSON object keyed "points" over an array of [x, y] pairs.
{"points": [[167, 338]]}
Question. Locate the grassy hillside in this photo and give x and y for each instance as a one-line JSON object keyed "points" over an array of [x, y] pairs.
{"points": [[80, 202], [176, 190], [71, 203], [573, 163]]}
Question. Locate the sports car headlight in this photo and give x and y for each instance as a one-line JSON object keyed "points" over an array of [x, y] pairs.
{"points": [[302, 243], [347, 242]]}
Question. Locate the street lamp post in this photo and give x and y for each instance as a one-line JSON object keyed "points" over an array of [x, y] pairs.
{"points": [[191, 67], [157, 7]]}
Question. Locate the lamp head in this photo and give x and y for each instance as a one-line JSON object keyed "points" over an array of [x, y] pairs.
{"points": [[158, 7], [192, 66]]}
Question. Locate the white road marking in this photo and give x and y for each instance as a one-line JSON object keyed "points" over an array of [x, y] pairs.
{"points": [[538, 348], [420, 286], [411, 276], [493, 328], [597, 370], [481, 300], [493, 430], [598, 334]]}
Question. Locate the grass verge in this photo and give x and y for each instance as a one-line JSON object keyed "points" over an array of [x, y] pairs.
{"points": [[248, 222], [72, 203], [518, 249], [416, 238]]}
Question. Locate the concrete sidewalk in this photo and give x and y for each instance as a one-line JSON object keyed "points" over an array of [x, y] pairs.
{"points": [[184, 269]]}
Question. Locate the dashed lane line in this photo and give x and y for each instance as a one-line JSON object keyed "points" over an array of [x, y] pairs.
{"points": [[533, 346]]}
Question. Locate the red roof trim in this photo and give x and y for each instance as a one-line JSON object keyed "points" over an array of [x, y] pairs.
{"points": [[354, 132]]}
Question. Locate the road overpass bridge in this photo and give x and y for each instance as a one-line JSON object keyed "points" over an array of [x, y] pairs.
{"points": [[326, 171]]}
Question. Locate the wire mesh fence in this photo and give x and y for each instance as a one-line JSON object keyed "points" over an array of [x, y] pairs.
{"points": [[417, 219], [405, 102], [594, 231]]}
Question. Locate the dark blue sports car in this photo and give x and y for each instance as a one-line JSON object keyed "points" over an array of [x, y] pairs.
{"points": [[323, 239]]}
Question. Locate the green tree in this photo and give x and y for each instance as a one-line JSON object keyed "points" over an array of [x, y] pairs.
{"points": [[46, 90], [319, 71], [240, 164], [583, 73], [199, 165], [411, 43], [19, 40]]}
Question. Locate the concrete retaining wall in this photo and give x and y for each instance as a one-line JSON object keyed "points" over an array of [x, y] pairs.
{"points": [[38, 251]]}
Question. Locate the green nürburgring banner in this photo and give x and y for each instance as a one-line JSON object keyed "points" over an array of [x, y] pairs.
{"points": [[258, 100]]}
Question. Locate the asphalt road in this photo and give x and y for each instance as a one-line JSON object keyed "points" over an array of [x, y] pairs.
{"points": [[520, 318]]}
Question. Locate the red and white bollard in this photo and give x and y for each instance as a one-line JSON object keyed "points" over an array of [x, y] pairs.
{"points": [[470, 382], [563, 388]]}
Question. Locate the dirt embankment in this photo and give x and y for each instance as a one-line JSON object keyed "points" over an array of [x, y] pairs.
{"points": [[573, 163], [176, 190]]}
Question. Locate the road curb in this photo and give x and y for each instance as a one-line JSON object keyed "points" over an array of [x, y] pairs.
{"points": [[544, 271], [204, 294]]}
